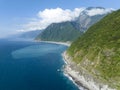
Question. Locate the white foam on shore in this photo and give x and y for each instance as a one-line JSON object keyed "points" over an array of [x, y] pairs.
{"points": [[86, 82]]}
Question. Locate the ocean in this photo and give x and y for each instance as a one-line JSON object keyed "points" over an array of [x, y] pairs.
{"points": [[27, 65]]}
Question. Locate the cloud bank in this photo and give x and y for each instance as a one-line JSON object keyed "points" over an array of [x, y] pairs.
{"points": [[98, 11], [48, 16], [57, 15]]}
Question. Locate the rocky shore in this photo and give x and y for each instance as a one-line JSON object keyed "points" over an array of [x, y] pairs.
{"points": [[83, 79]]}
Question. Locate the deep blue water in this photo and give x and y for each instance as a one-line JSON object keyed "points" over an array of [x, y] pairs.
{"points": [[26, 65]]}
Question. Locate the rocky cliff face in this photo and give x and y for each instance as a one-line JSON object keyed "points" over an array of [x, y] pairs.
{"points": [[85, 21], [83, 79]]}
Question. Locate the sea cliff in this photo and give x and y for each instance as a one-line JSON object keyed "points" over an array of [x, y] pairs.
{"points": [[81, 77]]}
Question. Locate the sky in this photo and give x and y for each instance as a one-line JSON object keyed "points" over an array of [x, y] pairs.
{"points": [[25, 15]]}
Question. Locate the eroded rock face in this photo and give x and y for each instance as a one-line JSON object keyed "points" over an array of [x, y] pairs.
{"points": [[82, 77]]}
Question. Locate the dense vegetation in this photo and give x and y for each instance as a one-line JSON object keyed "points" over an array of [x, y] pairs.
{"points": [[98, 50], [64, 31]]}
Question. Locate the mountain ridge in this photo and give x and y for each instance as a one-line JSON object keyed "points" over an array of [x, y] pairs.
{"points": [[64, 32], [54, 33]]}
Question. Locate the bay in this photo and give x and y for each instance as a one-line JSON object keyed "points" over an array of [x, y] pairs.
{"points": [[27, 65]]}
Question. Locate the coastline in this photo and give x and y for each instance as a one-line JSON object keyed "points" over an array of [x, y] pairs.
{"points": [[53, 42], [78, 75], [68, 72], [81, 78]]}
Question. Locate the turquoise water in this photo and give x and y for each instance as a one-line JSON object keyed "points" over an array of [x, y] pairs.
{"points": [[26, 65]]}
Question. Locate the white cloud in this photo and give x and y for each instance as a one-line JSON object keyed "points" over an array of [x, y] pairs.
{"points": [[48, 16], [57, 15], [98, 11]]}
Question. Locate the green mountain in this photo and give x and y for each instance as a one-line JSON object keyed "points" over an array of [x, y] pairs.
{"points": [[63, 32], [98, 50], [69, 31]]}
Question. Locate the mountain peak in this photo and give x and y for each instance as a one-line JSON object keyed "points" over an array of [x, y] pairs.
{"points": [[90, 8], [92, 11]]}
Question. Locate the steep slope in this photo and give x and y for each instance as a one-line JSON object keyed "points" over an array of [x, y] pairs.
{"points": [[63, 32], [84, 21], [98, 50], [90, 16]]}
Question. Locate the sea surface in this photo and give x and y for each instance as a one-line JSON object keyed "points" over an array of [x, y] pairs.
{"points": [[27, 65]]}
